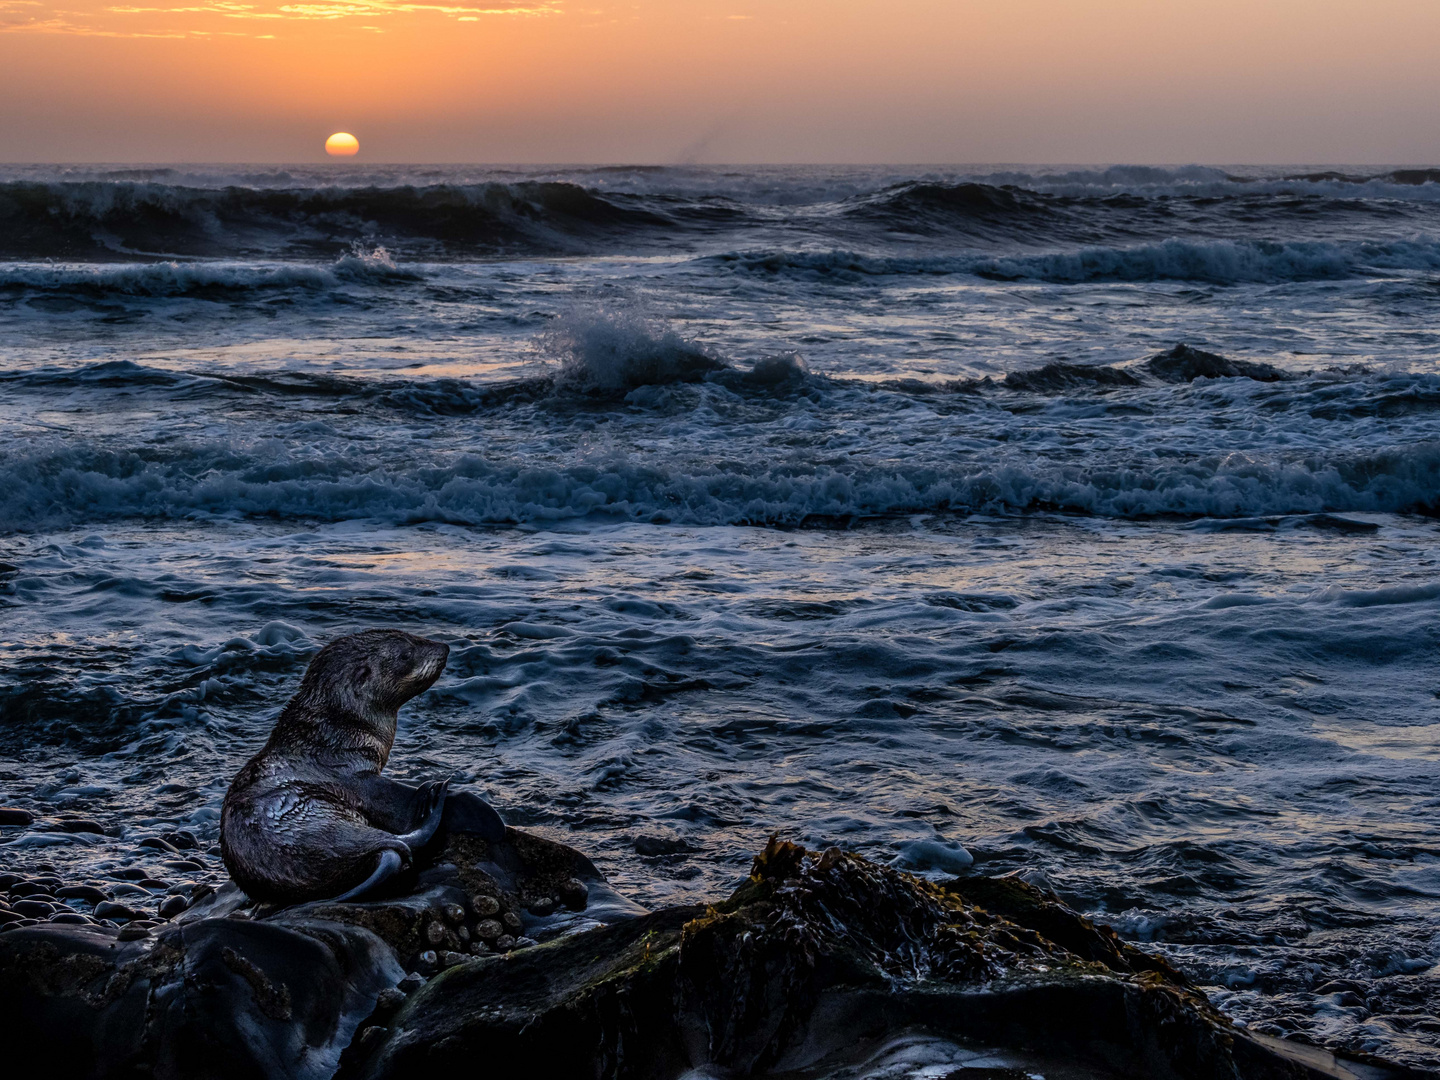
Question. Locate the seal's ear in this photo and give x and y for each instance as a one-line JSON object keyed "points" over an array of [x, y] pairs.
{"points": [[362, 674]]}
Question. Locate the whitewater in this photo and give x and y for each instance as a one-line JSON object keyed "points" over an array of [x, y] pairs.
{"points": [[1072, 522]]}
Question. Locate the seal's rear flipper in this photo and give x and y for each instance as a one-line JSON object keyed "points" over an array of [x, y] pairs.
{"points": [[389, 865], [466, 812]]}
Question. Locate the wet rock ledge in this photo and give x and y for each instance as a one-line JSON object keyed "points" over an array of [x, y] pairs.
{"points": [[518, 956]]}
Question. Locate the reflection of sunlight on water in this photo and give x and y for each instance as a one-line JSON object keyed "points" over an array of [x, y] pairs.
{"points": [[1419, 740]]}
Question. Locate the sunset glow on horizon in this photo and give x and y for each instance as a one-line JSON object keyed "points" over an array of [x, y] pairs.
{"points": [[740, 80]]}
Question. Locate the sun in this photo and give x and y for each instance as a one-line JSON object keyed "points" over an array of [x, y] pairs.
{"points": [[342, 144]]}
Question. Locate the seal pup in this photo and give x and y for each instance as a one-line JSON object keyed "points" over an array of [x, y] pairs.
{"points": [[310, 817]]}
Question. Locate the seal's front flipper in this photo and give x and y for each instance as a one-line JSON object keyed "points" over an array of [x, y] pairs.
{"points": [[466, 812], [390, 864], [432, 807]]}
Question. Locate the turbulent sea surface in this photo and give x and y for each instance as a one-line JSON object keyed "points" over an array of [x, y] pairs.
{"points": [[715, 483]]}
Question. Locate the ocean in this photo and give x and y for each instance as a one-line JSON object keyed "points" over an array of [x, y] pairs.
{"points": [[843, 503]]}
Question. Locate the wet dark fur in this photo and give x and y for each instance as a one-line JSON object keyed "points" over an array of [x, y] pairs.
{"points": [[308, 817]]}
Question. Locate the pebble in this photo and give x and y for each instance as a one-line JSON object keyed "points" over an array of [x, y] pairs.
{"points": [[455, 914], [7, 880], [371, 1035], [435, 933], [450, 959], [89, 893], [542, 907], [183, 839], [525, 942], [126, 889], [389, 999], [8, 917], [427, 960], [154, 883], [29, 888], [13, 815], [485, 906], [489, 929], [479, 948], [410, 983], [504, 943], [189, 865], [129, 873], [512, 922], [69, 917], [157, 843], [33, 909], [109, 909], [77, 825], [463, 933], [172, 906], [574, 894]]}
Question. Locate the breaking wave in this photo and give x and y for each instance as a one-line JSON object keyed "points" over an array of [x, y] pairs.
{"points": [[202, 280], [45, 486], [1216, 262], [120, 218]]}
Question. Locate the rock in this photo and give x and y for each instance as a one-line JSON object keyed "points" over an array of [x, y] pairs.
{"points": [[1184, 364], [172, 906], [479, 948], [657, 846], [33, 909], [484, 906], [815, 955], [69, 917], [541, 908], [183, 840], [511, 922], [8, 881], [187, 865], [7, 917], [800, 967], [88, 893], [454, 914], [222, 998], [11, 816], [157, 843], [109, 909], [29, 888], [435, 933]]}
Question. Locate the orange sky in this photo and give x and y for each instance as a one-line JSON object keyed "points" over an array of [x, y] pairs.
{"points": [[723, 80]]}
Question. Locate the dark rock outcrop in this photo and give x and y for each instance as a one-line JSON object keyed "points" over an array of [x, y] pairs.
{"points": [[1186, 364], [815, 956]]}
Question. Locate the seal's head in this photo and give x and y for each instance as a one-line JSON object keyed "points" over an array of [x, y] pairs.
{"points": [[371, 674]]}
